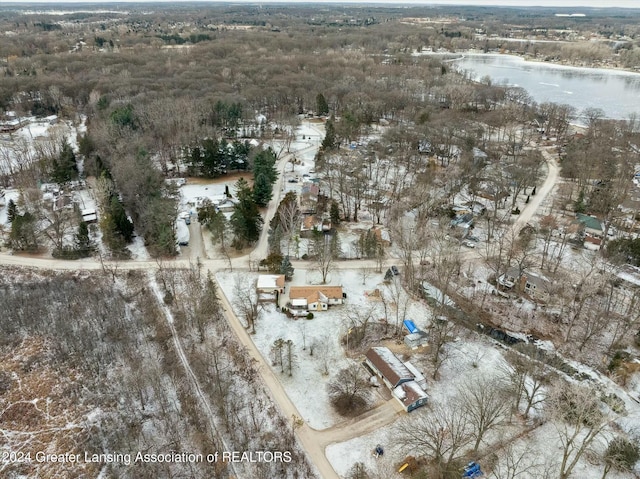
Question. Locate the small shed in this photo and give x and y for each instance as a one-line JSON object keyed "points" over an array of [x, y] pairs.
{"points": [[415, 340], [89, 215], [270, 283]]}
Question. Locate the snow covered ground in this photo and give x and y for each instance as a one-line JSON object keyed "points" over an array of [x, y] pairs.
{"points": [[138, 250], [9, 195], [39, 137], [360, 450], [539, 449], [465, 361], [195, 191], [307, 385]]}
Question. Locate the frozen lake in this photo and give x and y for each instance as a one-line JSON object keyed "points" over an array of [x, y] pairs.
{"points": [[616, 92]]}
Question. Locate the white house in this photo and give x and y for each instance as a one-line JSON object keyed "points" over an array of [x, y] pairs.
{"points": [[270, 283], [315, 298]]}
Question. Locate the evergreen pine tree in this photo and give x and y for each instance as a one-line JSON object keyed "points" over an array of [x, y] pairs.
{"points": [[329, 141], [265, 175], [23, 232], [121, 222], [287, 268], [246, 221], [322, 107], [388, 275], [334, 213], [84, 245], [579, 205], [262, 190], [65, 167], [12, 210]]}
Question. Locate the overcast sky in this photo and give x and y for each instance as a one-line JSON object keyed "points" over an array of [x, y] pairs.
{"points": [[539, 3]]}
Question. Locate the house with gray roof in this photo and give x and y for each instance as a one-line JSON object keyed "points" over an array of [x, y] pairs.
{"points": [[401, 378]]}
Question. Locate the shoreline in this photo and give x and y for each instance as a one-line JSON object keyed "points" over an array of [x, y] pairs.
{"points": [[527, 58]]}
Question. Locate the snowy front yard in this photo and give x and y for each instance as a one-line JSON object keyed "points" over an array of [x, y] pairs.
{"points": [[306, 386]]}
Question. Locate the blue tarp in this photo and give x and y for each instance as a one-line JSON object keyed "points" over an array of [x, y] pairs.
{"points": [[472, 470], [411, 326]]}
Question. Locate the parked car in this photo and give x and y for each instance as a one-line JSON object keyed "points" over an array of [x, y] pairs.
{"points": [[468, 244], [395, 271]]}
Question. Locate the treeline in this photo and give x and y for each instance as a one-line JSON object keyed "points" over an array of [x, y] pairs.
{"points": [[246, 221], [276, 75], [179, 40], [132, 191], [214, 157]]}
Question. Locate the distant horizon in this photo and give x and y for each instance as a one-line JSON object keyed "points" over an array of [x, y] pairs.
{"points": [[577, 4]]}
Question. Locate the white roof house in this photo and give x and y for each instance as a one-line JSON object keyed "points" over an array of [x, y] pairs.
{"points": [[411, 395], [269, 283]]}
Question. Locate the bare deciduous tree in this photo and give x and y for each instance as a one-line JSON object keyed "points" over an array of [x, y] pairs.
{"points": [[349, 390], [485, 404], [246, 301], [517, 462], [396, 297], [358, 319], [323, 352], [59, 225], [526, 378], [441, 332], [323, 256], [443, 434], [576, 415]]}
